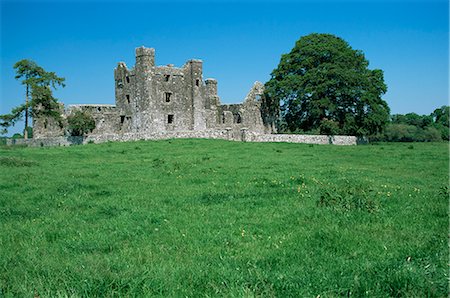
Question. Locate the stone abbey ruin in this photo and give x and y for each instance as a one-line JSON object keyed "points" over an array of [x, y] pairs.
{"points": [[162, 102]]}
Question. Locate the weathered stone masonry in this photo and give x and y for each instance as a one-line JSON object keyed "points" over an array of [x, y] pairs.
{"points": [[153, 99], [160, 102]]}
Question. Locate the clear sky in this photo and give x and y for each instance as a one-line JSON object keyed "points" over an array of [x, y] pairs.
{"points": [[239, 42]]}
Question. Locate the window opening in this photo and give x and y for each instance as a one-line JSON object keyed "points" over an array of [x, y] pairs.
{"points": [[170, 119], [237, 118], [167, 96]]}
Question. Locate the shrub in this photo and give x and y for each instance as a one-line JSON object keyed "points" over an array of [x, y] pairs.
{"points": [[329, 127], [17, 136], [431, 134], [80, 123], [349, 197], [410, 133]]}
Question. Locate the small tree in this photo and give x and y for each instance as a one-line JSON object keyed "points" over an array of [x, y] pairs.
{"points": [[80, 123], [38, 95]]}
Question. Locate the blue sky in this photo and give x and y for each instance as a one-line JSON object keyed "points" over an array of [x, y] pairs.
{"points": [[239, 42]]}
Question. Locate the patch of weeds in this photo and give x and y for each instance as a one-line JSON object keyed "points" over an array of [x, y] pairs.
{"points": [[298, 179], [215, 198], [266, 182], [18, 213], [16, 162], [52, 235], [349, 197], [158, 162], [410, 147], [73, 187], [102, 193], [177, 166], [110, 211]]}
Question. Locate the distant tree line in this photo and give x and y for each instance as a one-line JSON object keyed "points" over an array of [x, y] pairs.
{"points": [[412, 127]]}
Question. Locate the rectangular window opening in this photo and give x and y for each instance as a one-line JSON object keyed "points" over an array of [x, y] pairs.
{"points": [[166, 78], [122, 119], [128, 98], [128, 79], [167, 96], [169, 119], [197, 82]]}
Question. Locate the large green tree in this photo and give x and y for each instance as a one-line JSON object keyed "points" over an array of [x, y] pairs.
{"points": [[38, 94], [325, 85]]}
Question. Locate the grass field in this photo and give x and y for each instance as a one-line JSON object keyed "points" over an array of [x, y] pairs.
{"points": [[202, 218]]}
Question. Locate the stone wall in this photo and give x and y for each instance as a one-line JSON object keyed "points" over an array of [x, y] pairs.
{"points": [[224, 134], [308, 139]]}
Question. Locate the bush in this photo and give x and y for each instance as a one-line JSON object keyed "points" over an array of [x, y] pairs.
{"points": [[17, 136], [409, 133], [329, 127], [431, 134], [80, 123], [443, 130]]}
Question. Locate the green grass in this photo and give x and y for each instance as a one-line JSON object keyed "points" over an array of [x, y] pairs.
{"points": [[202, 218]]}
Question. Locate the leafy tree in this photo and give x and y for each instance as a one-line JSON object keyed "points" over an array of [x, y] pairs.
{"points": [[413, 119], [38, 95], [441, 115], [441, 121], [323, 82], [80, 123]]}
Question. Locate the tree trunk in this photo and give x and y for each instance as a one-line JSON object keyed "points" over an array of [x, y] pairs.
{"points": [[25, 133]]}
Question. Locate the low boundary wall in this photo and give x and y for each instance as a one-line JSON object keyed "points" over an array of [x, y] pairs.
{"points": [[226, 134]]}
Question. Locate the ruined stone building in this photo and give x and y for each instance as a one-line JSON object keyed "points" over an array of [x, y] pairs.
{"points": [[156, 99], [160, 102]]}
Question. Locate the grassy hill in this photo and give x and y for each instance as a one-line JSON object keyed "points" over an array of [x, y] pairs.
{"points": [[216, 218]]}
